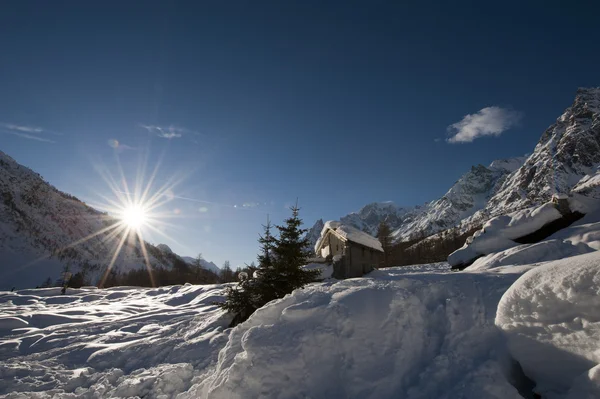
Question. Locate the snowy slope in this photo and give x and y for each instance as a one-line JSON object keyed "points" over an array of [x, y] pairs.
{"points": [[467, 196], [407, 332], [568, 153], [42, 229], [412, 332]]}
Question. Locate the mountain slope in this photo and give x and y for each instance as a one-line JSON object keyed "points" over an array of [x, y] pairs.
{"points": [[467, 196], [567, 158], [203, 263], [43, 229]]}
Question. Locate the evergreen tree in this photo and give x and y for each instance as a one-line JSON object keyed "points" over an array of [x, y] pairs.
{"points": [[290, 253], [279, 270], [227, 275], [384, 234]]}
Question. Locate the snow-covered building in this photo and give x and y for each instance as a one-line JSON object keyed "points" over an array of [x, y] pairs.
{"points": [[352, 251]]}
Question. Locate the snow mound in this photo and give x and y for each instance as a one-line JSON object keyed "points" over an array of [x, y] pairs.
{"points": [[499, 232], [412, 335], [550, 317], [530, 253], [351, 234]]}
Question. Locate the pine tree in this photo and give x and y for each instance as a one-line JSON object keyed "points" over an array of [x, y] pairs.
{"points": [[279, 270], [290, 253], [384, 234]]}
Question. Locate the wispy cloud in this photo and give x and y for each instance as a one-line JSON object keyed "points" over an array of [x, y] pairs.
{"points": [[26, 132], [167, 132], [489, 121], [21, 128], [30, 137]]}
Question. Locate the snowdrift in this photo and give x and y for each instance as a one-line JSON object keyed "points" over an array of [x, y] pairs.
{"points": [[117, 342], [499, 232], [409, 335], [551, 319]]}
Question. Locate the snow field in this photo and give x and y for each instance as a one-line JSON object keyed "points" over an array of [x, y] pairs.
{"points": [[410, 335], [118, 342]]}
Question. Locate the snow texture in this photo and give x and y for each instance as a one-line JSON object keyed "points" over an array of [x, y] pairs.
{"points": [[499, 232], [349, 233], [116, 342], [531, 253], [551, 319], [411, 335]]}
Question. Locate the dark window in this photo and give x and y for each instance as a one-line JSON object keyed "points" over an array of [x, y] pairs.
{"points": [[371, 254], [337, 247], [363, 252]]}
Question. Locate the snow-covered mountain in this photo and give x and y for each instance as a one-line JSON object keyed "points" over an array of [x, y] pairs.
{"points": [[314, 233], [43, 229], [203, 263], [370, 216], [567, 158], [467, 196]]}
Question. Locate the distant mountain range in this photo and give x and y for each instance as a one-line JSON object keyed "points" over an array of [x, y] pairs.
{"points": [[43, 229], [566, 158]]}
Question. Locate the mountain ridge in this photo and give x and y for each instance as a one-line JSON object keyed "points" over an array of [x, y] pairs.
{"points": [[565, 159], [43, 229]]}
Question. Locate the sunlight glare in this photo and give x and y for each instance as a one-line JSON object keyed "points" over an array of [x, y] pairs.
{"points": [[134, 216]]}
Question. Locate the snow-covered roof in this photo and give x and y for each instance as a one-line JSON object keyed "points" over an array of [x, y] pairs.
{"points": [[349, 233]]}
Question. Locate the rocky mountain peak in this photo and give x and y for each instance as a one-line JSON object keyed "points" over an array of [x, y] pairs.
{"points": [[568, 151]]}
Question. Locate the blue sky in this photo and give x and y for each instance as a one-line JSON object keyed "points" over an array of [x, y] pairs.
{"points": [[258, 103]]}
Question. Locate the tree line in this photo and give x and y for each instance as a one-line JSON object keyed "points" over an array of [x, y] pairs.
{"points": [[420, 248], [182, 272]]}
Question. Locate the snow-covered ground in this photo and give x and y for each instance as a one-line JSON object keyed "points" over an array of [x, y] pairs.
{"points": [[419, 331], [116, 342]]}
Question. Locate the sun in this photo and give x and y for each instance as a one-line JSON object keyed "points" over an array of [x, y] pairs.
{"points": [[134, 216]]}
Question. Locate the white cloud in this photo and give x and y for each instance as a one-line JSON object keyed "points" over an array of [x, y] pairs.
{"points": [[27, 132], [21, 128], [489, 121], [166, 132]]}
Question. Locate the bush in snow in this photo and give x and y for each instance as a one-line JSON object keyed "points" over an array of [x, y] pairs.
{"points": [[280, 270]]}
